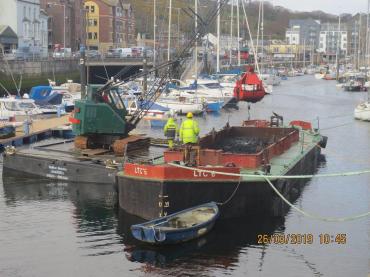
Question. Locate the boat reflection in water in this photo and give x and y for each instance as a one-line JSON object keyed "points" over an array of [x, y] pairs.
{"points": [[100, 228], [220, 248], [89, 210]]}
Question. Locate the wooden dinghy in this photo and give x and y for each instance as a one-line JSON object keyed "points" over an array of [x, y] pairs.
{"points": [[178, 227]]}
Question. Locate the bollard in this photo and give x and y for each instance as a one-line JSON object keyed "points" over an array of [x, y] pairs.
{"points": [[26, 127], [59, 110]]}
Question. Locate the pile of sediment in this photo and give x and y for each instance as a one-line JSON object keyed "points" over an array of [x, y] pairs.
{"points": [[242, 145]]}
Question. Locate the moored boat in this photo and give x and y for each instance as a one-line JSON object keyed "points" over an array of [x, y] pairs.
{"points": [[178, 227], [362, 111], [217, 168]]}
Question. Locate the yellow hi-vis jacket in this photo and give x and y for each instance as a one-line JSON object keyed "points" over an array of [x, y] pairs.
{"points": [[189, 131], [170, 129]]}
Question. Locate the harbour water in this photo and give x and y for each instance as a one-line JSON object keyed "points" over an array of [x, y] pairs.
{"points": [[62, 229]]}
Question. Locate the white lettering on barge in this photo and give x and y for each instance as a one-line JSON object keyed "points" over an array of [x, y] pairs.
{"points": [[57, 172], [203, 174], [141, 171]]}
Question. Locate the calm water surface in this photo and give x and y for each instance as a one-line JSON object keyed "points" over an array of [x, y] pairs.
{"points": [[62, 229]]}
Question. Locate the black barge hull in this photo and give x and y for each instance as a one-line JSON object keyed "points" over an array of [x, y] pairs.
{"points": [[149, 199], [58, 168]]}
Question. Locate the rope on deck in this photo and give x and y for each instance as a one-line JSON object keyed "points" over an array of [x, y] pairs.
{"points": [[261, 176]]}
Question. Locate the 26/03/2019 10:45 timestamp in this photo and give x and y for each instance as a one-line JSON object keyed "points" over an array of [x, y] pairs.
{"points": [[301, 238]]}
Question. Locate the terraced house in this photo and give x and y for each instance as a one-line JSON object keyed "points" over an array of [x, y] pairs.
{"points": [[29, 22], [110, 24]]}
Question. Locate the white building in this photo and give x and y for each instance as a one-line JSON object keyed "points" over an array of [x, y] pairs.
{"points": [[292, 35], [333, 39], [29, 23], [226, 42]]}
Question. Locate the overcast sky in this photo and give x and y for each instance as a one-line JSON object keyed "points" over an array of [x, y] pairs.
{"points": [[330, 6]]}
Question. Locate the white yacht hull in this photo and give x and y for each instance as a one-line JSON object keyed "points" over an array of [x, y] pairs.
{"points": [[362, 112]]}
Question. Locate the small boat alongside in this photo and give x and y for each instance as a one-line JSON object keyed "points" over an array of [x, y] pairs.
{"points": [[179, 227]]}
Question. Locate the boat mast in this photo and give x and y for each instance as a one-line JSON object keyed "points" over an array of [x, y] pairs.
{"points": [[367, 35], [304, 53], [218, 35], [359, 42], [262, 16], [238, 20], [169, 31], [154, 33], [196, 42], [231, 31], [338, 48]]}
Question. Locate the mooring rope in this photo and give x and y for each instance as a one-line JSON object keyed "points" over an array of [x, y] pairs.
{"points": [[313, 216], [261, 176], [267, 179]]}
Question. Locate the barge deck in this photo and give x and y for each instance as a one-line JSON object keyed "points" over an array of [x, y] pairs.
{"points": [[152, 190]]}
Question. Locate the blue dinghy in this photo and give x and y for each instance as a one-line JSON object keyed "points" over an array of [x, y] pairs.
{"points": [[178, 227]]}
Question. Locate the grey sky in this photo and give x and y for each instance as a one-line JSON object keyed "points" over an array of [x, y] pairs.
{"points": [[330, 6]]}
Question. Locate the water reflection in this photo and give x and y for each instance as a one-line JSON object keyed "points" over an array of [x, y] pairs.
{"points": [[222, 245], [93, 213]]}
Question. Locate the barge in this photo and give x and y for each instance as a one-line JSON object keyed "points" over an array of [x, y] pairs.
{"points": [[151, 189]]}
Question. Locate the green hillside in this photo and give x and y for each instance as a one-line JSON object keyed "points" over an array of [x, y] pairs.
{"points": [[276, 17]]}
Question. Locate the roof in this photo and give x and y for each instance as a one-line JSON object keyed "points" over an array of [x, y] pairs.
{"points": [[7, 31]]}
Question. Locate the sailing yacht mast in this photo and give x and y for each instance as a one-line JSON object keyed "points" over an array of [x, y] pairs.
{"points": [[196, 42], [262, 15], [218, 35], [169, 31], [231, 32], [367, 35], [359, 42], [154, 33], [338, 48], [238, 34]]}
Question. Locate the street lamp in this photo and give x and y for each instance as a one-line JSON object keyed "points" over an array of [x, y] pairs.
{"points": [[64, 20]]}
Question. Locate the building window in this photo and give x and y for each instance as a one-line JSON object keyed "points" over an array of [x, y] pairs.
{"points": [[92, 9], [24, 11], [90, 35], [95, 35]]}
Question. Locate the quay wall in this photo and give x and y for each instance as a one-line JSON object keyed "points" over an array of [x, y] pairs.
{"points": [[35, 73]]}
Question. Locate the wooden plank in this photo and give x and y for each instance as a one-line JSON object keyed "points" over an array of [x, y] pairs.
{"points": [[39, 126], [94, 152]]}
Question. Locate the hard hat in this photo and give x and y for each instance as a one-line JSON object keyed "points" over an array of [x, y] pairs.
{"points": [[189, 115]]}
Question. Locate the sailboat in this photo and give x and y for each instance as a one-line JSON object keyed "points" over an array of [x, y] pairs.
{"points": [[362, 111]]}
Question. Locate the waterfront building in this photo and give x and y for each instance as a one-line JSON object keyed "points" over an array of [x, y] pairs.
{"points": [[29, 23], [303, 31], [292, 35], [110, 24], [332, 39], [66, 22], [282, 51], [8, 39]]}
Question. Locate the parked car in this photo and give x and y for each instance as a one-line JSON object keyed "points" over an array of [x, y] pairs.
{"points": [[113, 53], [93, 54], [62, 53]]}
